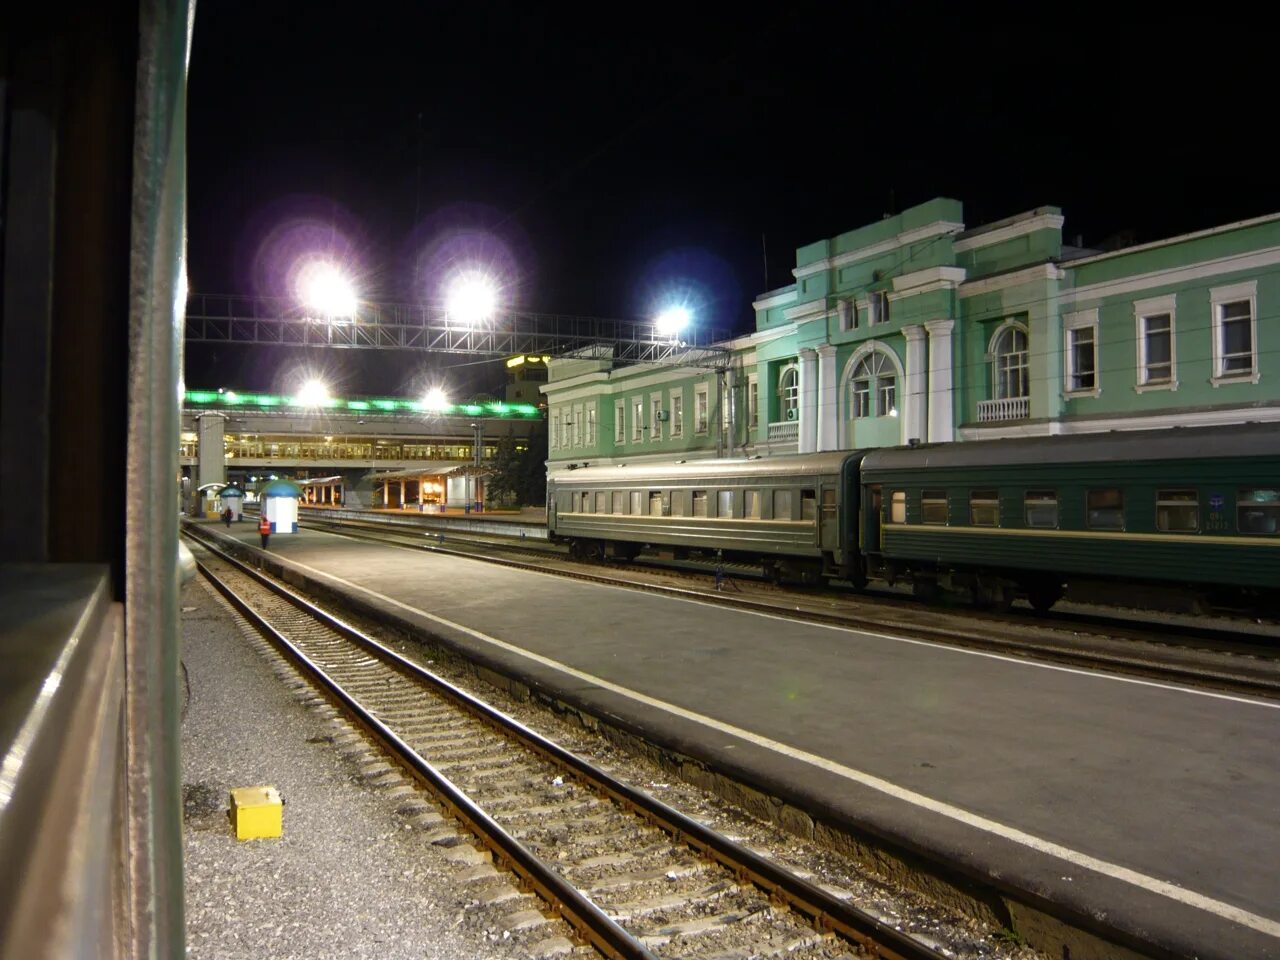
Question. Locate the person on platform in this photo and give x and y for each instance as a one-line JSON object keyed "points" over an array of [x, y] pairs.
{"points": [[264, 530], [226, 517]]}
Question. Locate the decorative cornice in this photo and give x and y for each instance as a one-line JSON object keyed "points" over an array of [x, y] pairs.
{"points": [[914, 332], [1044, 221], [1039, 273], [1268, 257], [1182, 238], [777, 300], [949, 276], [936, 229]]}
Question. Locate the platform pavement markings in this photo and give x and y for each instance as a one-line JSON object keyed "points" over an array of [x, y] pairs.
{"points": [[1151, 884]]}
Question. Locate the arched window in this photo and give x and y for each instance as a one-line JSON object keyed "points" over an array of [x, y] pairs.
{"points": [[1009, 363], [873, 387], [789, 393]]}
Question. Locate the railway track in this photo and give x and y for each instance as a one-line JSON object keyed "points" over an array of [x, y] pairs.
{"points": [[1229, 661], [633, 877]]}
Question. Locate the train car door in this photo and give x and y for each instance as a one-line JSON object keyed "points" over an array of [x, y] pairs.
{"points": [[828, 518], [871, 519]]}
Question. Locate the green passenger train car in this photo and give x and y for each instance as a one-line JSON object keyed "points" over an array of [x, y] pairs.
{"points": [[1183, 506]]}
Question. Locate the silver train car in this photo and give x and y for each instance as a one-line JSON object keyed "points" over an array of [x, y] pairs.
{"points": [[796, 515]]}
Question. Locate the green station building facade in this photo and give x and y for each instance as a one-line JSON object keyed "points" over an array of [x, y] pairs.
{"points": [[920, 328]]}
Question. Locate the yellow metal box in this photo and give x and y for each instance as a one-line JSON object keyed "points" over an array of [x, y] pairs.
{"points": [[257, 812]]}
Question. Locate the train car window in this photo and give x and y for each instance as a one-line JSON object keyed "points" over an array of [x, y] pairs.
{"points": [[677, 503], [751, 504], [586, 502], [1041, 508], [933, 506], [655, 503], [898, 506], [1258, 511], [1105, 510], [808, 505], [699, 503], [782, 504], [984, 508], [1177, 511], [619, 501], [637, 502], [724, 506], [602, 502]]}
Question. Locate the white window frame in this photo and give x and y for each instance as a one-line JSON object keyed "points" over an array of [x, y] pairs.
{"points": [[655, 424], [556, 428], [1143, 310], [878, 308], [784, 396], [993, 359], [1230, 294], [620, 421], [577, 426], [637, 419], [1073, 322], [677, 413], [701, 410], [591, 425], [753, 400]]}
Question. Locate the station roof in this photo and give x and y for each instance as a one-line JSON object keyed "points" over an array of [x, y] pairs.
{"points": [[427, 470], [361, 406]]}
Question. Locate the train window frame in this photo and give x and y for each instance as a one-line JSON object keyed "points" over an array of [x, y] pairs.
{"points": [[584, 501], [699, 500], [724, 503], [783, 503], [897, 506], [602, 501], [927, 501], [677, 503], [808, 505], [1090, 510], [655, 497], [1037, 500], [1273, 506], [619, 504], [988, 501], [751, 505], [1169, 498], [638, 503]]}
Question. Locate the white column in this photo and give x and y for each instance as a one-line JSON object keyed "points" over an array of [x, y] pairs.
{"points": [[808, 436], [828, 398], [941, 402], [914, 406]]}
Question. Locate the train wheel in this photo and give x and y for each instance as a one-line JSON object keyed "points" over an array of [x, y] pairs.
{"points": [[593, 551], [1042, 596]]}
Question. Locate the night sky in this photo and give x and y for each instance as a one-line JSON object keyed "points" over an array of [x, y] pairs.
{"points": [[601, 158]]}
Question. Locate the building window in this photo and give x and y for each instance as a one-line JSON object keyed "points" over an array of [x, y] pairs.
{"points": [[556, 430], [1235, 341], [1009, 363], [1041, 508], [1177, 511], [933, 506], [1156, 360], [700, 408], [753, 401], [873, 387], [878, 308], [984, 508], [619, 423], [577, 426], [1105, 510], [677, 413], [591, 426], [1258, 511], [655, 418], [699, 503], [898, 506], [789, 394], [1081, 332], [637, 420]]}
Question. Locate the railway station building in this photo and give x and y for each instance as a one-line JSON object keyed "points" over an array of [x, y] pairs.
{"points": [[922, 329]]}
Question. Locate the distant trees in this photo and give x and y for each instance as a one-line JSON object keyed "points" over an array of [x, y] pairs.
{"points": [[519, 477]]}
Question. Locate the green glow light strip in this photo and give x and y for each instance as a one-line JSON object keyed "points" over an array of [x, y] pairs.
{"points": [[233, 398]]}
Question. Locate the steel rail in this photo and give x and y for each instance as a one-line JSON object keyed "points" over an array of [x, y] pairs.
{"points": [[825, 910], [562, 897]]}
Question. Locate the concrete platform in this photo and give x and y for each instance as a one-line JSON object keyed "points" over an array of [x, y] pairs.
{"points": [[1139, 806]]}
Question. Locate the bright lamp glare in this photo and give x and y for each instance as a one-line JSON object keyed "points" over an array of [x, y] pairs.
{"points": [[672, 320], [472, 298], [326, 290], [435, 399], [313, 394]]}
